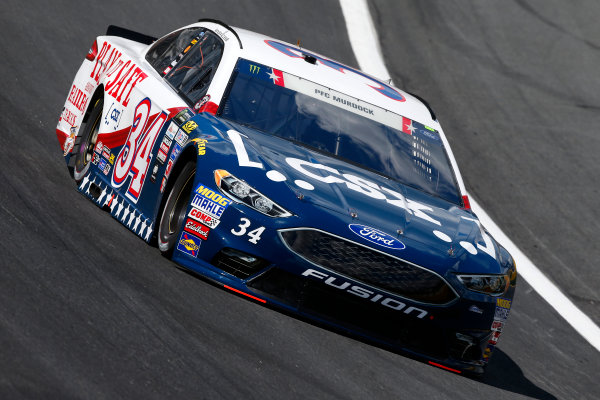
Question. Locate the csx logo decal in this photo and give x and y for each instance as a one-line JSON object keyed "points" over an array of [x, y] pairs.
{"points": [[189, 126], [114, 115]]}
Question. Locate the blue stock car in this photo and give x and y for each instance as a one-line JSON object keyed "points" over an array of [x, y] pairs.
{"points": [[293, 180]]}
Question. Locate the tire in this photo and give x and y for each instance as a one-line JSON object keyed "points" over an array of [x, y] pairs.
{"points": [[174, 211], [86, 141]]}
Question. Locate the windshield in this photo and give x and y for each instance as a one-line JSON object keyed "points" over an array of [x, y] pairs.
{"points": [[333, 123]]}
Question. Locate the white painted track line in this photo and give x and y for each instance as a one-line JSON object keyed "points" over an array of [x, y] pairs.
{"points": [[365, 44]]}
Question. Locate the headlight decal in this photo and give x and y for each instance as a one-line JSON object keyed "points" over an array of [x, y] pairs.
{"points": [[494, 285], [246, 194]]}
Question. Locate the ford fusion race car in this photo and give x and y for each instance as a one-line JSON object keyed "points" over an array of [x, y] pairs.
{"points": [[291, 179]]}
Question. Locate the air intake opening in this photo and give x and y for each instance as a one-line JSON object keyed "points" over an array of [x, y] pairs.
{"points": [[238, 263]]}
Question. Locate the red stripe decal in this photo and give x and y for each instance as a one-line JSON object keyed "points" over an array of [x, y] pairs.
{"points": [[245, 294], [444, 367]]}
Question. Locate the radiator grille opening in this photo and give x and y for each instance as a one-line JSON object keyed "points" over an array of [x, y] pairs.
{"points": [[369, 266]]}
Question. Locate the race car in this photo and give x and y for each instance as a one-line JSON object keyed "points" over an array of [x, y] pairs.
{"points": [[291, 179]]}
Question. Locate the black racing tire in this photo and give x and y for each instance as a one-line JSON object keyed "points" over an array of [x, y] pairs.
{"points": [[174, 211], [83, 149]]}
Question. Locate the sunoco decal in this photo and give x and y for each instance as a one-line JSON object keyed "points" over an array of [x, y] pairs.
{"points": [[377, 237]]}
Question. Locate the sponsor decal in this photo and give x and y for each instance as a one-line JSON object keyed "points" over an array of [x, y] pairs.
{"points": [[189, 126], [154, 172], [504, 303], [164, 147], [106, 152], [201, 143], [182, 116], [68, 116], [212, 195], [206, 219], [181, 137], [202, 102], [365, 293], [501, 314], [254, 69], [169, 168], [502, 309], [196, 228], [106, 169], [375, 236], [121, 74], [175, 152], [500, 317], [172, 130], [497, 326], [111, 159], [493, 340], [113, 116], [161, 156], [89, 87], [208, 206], [99, 147], [102, 164], [189, 244], [488, 352], [95, 159], [78, 98], [163, 184], [70, 142]]}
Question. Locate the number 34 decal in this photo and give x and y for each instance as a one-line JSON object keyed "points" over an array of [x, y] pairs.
{"points": [[254, 235]]}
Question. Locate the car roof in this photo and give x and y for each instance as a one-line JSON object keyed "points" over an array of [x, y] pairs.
{"points": [[324, 71], [327, 72]]}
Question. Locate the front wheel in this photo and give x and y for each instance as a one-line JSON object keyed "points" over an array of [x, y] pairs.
{"points": [[174, 212], [86, 141]]}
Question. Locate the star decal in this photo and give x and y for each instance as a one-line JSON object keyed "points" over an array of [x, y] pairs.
{"points": [[137, 223], [410, 127], [125, 214], [142, 228], [148, 232], [85, 182], [273, 76], [119, 209], [131, 217], [102, 196]]}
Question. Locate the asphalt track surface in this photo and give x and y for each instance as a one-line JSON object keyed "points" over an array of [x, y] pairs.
{"points": [[87, 310]]}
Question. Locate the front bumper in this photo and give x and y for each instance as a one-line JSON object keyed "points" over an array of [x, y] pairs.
{"points": [[457, 334]]}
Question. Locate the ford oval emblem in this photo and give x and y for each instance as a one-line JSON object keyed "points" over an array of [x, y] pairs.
{"points": [[375, 236]]}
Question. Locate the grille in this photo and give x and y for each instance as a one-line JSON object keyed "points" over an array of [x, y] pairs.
{"points": [[369, 266]]}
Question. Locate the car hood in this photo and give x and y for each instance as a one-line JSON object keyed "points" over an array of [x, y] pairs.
{"points": [[330, 194]]}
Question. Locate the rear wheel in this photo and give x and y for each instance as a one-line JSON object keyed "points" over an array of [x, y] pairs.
{"points": [[174, 212], [86, 141]]}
